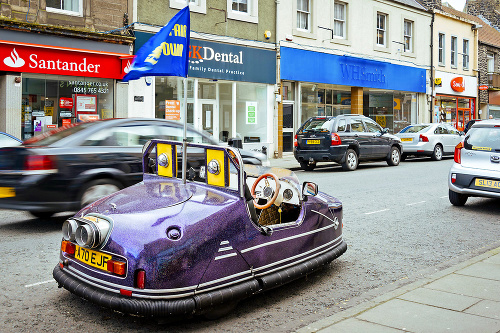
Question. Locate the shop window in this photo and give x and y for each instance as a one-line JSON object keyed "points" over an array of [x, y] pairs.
{"points": [[441, 44], [225, 111], [169, 98], [68, 7], [380, 109], [381, 29], [288, 91], [339, 19], [251, 106], [319, 101]]}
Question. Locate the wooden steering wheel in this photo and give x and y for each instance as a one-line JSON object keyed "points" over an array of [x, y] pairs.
{"points": [[270, 200]]}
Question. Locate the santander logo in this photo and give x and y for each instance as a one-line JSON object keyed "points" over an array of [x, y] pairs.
{"points": [[457, 84], [14, 60]]}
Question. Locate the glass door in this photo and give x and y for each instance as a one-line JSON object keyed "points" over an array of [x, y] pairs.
{"points": [[208, 110], [288, 131]]}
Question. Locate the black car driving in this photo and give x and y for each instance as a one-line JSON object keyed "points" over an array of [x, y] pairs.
{"points": [[69, 167], [344, 139]]}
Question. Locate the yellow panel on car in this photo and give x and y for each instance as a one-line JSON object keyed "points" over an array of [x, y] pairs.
{"points": [[216, 167], [166, 159]]}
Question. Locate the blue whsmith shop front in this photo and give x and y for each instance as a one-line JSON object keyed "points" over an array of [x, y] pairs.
{"points": [[323, 84]]}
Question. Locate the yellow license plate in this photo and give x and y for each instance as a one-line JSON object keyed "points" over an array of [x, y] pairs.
{"points": [[313, 142], [7, 192], [488, 183], [92, 258], [406, 139]]}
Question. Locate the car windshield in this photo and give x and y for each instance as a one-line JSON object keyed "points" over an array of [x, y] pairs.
{"points": [[415, 129], [318, 124], [483, 138], [57, 134]]}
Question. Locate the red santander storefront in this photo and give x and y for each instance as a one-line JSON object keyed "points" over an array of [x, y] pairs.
{"points": [[62, 85]]}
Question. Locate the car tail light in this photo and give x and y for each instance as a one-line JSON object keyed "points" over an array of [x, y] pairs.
{"points": [[126, 292], [453, 177], [295, 142], [457, 157], [140, 279], [68, 247], [116, 267], [336, 139], [423, 138], [39, 163]]}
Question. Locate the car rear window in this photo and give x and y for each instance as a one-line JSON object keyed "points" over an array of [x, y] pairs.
{"points": [[318, 124], [415, 129], [57, 134], [483, 138]]}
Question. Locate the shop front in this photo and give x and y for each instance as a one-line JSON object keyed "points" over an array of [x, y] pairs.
{"points": [[455, 100], [230, 92], [321, 84], [61, 85]]}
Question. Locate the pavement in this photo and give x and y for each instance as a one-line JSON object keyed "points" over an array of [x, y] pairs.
{"points": [[461, 298]]}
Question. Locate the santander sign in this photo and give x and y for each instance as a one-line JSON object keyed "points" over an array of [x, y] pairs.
{"points": [[457, 84], [59, 61]]}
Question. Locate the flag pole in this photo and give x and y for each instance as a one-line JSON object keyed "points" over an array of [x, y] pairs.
{"points": [[184, 136]]}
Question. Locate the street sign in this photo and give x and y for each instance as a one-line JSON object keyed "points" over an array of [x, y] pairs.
{"points": [[483, 87]]}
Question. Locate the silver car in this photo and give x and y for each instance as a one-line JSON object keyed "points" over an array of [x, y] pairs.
{"points": [[476, 171], [434, 140]]}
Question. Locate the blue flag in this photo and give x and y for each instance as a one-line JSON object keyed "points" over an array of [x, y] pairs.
{"points": [[166, 53]]}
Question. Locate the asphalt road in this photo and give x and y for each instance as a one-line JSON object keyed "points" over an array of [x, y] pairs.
{"points": [[398, 223]]}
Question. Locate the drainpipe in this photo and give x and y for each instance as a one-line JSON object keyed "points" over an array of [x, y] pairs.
{"points": [[432, 68], [278, 148]]}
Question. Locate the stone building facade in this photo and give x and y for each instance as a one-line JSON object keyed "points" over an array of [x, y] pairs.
{"points": [[485, 8]]}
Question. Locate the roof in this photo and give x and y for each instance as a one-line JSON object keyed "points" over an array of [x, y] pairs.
{"points": [[487, 34], [411, 3]]}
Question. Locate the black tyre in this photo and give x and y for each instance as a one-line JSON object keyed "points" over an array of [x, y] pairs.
{"points": [[97, 189], [403, 157], [394, 157], [457, 199], [437, 154], [42, 215], [306, 166], [351, 160]]}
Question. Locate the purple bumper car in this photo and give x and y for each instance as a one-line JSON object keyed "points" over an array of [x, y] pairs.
{"points": [[178, 245]]}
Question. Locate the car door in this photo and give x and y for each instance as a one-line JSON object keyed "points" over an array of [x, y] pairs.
{"points": [[453, 138], [380, 144], [358, 132]]}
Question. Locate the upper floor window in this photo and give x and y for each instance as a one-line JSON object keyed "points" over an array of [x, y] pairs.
{"points": [[339, 17], [408, 31], [465, 53], [68, 6], [381, 29], [197, 6], [240, 6], [441, 49], [303, 14], [453, 51], [490, 58]]}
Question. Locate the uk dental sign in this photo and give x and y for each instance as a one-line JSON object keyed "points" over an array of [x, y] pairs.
{"points": [[46, 60]]}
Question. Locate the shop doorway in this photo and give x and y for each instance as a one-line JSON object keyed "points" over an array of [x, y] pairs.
{"points": [[456, 110], [288, 130]]}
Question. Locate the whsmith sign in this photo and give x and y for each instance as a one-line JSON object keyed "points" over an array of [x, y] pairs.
{"points": [[221, 61], [309, 66]]}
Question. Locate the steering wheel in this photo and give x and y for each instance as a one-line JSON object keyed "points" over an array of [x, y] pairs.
{"points": [[266, 191]]}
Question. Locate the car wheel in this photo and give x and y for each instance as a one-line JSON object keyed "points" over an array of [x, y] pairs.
{"points": [[437, 154], [403, 157], [42, 215], [394, 157], [351, 161], [457, 199], [97, 189], [306, 166]]}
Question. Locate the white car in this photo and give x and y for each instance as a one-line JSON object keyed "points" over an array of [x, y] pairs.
{"points": [[434, 140], [476, 171]]}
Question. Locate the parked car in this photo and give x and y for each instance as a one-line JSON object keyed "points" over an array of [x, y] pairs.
{"points": [[476, 168], [434, 140], [165, 248], [69, 167], [469, 124], [345, 139], [7, 140]]}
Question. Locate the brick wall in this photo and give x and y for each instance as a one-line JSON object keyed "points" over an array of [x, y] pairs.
{"points": [[486, 8], [483, 68]]}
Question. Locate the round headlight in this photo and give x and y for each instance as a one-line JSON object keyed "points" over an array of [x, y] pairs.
{"points": [[85, 235], [69, 229]]}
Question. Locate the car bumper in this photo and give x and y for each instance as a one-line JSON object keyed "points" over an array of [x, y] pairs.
{"points": [[465, 181], [333, 154]]}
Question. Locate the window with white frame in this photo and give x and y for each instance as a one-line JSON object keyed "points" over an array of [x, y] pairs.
{"points": [[339, 19], [453, 51], [408, 31], [197, 6], [303, 14], [490, 58], [465, 53], [68, 6], [381, 29], [441, 42], [243, 10], [240, 6]]}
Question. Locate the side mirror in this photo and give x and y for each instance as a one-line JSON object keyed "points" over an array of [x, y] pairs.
{"points": [[309, 189], [266, 231]]}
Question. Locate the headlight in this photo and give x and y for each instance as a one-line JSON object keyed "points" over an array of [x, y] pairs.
{"points": [[90, 231]]}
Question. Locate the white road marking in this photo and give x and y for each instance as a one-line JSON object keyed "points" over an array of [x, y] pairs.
{"points": [[39, 283], [378, 211], [415, 203], [444, 196]]}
